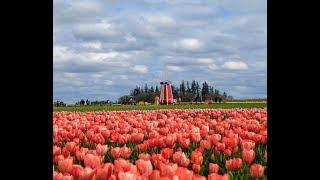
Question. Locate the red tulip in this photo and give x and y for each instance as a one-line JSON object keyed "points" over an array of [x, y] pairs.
{"points": [[205, 144], [101, 149], [86, 174], [56, 150], [234, 164], [248, 156], [169, 141], [166, 153], [184, 142], [256, 170], [198, 177], [155, 175], [144, 167], [220, 147], [227, 152], [144, 156], [104, 172], [126, 176], [65, 165], [81, 153], [137, 137], [92, 161], [184, 173], [196, 168], [213, 168], [195, 137], [167, 169], [215, 176], [181, 159], [121, 165], [247, 145], [196, 157], [56, 159], [116, 152], [125, 152]]}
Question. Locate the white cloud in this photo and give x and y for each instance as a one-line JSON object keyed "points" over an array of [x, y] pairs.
{"points": [[124, 77], [190, 44], [213, 67], [204, 60], [94, 45], [140, 69], [130, 38], [108, 82], [175, 68], [160, 20], [106, 56], [236, 65], [96, 31]]}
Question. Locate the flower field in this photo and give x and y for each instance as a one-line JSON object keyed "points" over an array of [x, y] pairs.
{"points": [[175, 144]]}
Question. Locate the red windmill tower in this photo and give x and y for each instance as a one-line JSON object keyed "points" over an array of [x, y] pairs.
{"points": [[166, 96]]}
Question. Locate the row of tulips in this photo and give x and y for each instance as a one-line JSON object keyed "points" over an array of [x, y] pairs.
{"points": [[163, 144]]}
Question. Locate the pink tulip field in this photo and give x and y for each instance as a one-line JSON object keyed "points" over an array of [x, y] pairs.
{"points": [[175, 144]]}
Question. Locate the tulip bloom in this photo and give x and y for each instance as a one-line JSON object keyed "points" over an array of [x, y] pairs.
{"points": [[102, 149], [65, 165], [256, 170], [196, 168], [92, 161], [213, 168], [248, 156], [104, 172], [234, 164], [215, 176], [144, 167], [166, 153], [196, 157], [125, 152], [116, 152]]}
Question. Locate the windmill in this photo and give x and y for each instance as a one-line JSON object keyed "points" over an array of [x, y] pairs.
{"points": [[166, 96]]}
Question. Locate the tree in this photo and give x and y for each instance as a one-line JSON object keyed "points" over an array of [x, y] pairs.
{"points": [[182, 88], [211, 90], [151, 90], [216, 92], [197, 88], [157, 89], [188, 87], [175, 91], [145, 88], [193, 87], [224, 95], [205, 91]]}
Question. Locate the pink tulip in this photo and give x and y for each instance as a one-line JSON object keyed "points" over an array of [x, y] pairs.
{"points": [[125, 152], [92, 161], [144, 167], [116, 152], [248, 156], [256, 170], [213, 168], [65, 165]]}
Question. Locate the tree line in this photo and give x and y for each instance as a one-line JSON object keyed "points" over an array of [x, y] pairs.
{"points": [[185, 90]]}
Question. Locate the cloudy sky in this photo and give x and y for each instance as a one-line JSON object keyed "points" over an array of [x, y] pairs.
{"points": [[104, 48]]}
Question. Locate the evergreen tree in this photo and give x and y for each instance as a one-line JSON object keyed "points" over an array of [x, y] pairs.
{"points": [[197, 88], [224, 95], [188, 87], [193, 87], [157, 89], [182, 88], [151, 90], [145, 88], [211, 90]]}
